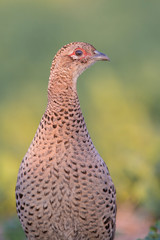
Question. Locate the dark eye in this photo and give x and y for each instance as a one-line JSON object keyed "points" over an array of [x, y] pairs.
{"points": [[78, 53]]}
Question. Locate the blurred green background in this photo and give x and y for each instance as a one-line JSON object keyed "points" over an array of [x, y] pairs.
{"points": [[123, 97]]}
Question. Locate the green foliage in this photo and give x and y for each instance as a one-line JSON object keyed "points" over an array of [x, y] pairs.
{"points": [[154, 233], [129, 143], [13, 230]]}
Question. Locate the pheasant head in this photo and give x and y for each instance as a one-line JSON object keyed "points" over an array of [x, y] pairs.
{"points": [[69, 62]]}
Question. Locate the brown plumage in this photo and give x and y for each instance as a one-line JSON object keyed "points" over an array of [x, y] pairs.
{"points": [[64, 190]]}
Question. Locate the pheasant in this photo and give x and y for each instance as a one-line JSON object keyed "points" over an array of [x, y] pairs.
{"points": [[64, 190]]}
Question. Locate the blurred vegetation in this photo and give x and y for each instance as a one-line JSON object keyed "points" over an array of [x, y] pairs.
{"points": [[12, 230], [123, 98], [154, 233]]}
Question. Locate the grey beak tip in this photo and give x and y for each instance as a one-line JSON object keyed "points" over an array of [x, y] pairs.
{"points": [[107, 59], [101, 56]]}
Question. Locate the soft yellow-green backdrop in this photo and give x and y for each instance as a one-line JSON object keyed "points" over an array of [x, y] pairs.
{"points": [[120, 100]]}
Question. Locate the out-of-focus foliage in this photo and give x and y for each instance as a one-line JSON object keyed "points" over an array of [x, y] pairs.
{"points": [[12, 230], [120, 100], [154, 233], [129, 142]]}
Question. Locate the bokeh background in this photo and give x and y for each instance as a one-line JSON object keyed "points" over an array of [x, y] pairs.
{"points": [[120, 100]]}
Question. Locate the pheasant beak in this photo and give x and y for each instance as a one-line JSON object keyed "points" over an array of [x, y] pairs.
{"points": [[98, 56]]}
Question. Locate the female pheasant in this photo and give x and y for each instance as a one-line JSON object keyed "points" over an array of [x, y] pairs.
{"points": [[64, 190]]}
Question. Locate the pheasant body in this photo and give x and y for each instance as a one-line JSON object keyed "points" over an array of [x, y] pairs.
{"points": [[64, 190]]}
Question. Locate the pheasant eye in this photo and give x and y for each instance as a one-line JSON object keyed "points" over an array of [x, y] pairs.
{"points": [[78, 52]]}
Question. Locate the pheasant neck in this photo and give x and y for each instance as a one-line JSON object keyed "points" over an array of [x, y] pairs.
{"points": [[62, 91]]}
